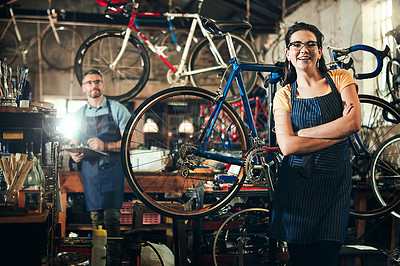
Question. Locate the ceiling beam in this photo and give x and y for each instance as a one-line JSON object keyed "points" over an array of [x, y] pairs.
{"points": [[293, 7], [255, 14]]}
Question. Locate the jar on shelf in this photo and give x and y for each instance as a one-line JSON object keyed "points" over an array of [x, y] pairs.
{"points": [[3, 187], [35, 178]]}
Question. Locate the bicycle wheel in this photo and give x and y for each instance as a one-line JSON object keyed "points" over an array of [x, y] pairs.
{"points": [[8, 46], [378, 123], [201, 58], [385, 174], [169, 169], [99, 51], [173, 53], [278, 53], [244, 237], [393, 78], [60, 55]]}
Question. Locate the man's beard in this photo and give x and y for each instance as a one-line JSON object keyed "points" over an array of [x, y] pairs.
{"points": [[94, 96]]}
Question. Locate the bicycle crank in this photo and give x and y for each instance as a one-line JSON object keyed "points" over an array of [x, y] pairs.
{"points": [[261, 167], [174, 80]]}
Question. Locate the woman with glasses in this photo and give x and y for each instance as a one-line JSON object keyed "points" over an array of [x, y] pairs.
{"points": [[101, 125], [314, 113]]}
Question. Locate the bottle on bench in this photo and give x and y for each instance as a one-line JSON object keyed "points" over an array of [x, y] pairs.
{"points": [[99, 241]]}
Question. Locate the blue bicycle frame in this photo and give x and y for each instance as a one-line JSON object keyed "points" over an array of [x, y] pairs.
{"points": [[335, 54], [236, 74]]}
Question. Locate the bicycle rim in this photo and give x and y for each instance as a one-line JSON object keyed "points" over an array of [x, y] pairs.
{"points": [[60, 55], [278, 53], [128, 77], [385, 174], [156, 169], [8, 46], [201, 58], [251, 226], [174, 51], [393, 78], [377, 125]]}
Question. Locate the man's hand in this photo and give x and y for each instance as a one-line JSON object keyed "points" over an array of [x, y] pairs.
{"points": [[76, 156], [97, 144]]}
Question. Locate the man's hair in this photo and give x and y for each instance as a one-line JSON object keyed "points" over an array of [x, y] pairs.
{"points": [[93, 71]]}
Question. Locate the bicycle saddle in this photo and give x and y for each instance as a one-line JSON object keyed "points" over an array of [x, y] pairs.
{"points": [[218, 27], [112, 5]]}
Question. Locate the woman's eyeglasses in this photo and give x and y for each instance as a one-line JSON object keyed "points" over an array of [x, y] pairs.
{"points": [[310, 45], [90, 82]]}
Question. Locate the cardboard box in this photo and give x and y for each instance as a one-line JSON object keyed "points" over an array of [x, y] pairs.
{"points": [[148, 160]]}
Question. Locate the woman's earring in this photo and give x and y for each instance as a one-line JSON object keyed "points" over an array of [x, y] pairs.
{"points": [[288, 65], [318, 63]]}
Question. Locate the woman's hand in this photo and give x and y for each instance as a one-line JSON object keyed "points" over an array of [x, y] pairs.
{"points": [[347, 108]]}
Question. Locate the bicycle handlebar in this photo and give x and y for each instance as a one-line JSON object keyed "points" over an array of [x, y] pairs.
{"points": [[379, 55]]}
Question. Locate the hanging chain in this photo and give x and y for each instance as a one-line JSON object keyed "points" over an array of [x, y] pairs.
{"points": [[54, 189]]}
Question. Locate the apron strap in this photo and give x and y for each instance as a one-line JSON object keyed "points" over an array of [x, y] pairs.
{"points": [[330, 82], [293, 87], [111, 119], [293, 92]]}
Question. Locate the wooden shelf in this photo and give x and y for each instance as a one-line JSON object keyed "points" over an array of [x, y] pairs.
{"points": [[30, 218], [88, 227]]}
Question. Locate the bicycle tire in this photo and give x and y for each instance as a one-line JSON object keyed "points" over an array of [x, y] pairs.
{"points": [[60, 56], [132, 71], [385, 175], [393, 78], [173, 54], [233, 230], [174, 148], [201, 57], [375, 129], [8, 46], [151, 245], [278, 53]]}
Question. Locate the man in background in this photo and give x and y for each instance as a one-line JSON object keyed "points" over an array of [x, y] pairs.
{"points": [[101, 123]]}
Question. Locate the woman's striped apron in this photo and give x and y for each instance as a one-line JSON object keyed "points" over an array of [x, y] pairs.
{"points": [[312, 196]]}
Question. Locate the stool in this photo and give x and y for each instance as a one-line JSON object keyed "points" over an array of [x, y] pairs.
{"points": [[358, 251]]}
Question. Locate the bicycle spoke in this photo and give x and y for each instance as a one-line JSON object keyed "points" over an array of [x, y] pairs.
{"points": [[175, 167], [385, 173], [202, 58], [60, 55], [375, 130], [130, 73]]}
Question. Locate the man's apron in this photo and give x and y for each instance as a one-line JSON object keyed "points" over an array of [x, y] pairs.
{"points": [[103, 177]]}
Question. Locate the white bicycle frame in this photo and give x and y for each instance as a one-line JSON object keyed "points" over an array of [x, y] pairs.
{"points": [[180, 72], [24, 50]]}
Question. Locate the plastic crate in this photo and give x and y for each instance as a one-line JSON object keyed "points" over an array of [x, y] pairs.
{"points": [[127, 207], [126, 219], [127, 213], [151, 218]]}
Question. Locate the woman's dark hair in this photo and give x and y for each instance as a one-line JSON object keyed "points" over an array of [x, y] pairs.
{"points": [[290, 73]]}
